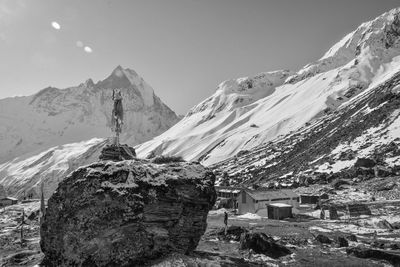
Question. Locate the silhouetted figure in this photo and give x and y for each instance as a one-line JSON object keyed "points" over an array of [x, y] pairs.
{"points": [[226, 222], [117, 115], [226, 219]]}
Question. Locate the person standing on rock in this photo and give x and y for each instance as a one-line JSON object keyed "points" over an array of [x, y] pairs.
{"points": [[117, 115]]}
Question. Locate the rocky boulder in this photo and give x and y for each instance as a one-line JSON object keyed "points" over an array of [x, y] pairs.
{"points": [[117, 153], [323, 239], [365, 163], [233, 232], [126, 213], [384, 224], [342, 242], [376, 254], [352, 238], [261, 243]]}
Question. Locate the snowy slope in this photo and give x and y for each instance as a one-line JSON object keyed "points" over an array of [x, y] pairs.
{"points": [[24, 175], [54, 117], [248, 112]]}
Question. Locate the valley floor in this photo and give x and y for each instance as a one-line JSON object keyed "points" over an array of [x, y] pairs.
{"points": [[298, 234]]}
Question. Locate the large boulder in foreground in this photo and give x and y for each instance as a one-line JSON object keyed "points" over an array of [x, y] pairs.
{"points": [[126, 213]]}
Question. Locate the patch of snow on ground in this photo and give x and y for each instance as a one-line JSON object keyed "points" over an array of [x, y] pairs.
{"points": [[250, 216]]}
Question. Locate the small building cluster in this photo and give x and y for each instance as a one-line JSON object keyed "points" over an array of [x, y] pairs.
{"points": [[7, 201], [312, 198], [269, 203], [274, 204], [227, 196]]}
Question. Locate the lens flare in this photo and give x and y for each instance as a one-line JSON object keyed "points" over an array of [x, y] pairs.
{"points": [[55, 25], [88, 49]]}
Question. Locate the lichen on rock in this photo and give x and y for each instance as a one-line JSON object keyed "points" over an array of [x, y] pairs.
{"points": [[126, 213]]}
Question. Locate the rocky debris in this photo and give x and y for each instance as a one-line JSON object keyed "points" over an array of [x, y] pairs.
{"points": [[338, 183], [34, 215], [347, 155], [232, 233], [261, 243], [342, 242], [352, 237], [20, 258], [126, 213], [384, 186], [323, 239], [394, 246], [396, 225], [117, 153], [365, 163], [384, 225], [361, 252], [200, 259]]}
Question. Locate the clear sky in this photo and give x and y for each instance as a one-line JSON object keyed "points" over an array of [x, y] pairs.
{"points": [[183, 48]]}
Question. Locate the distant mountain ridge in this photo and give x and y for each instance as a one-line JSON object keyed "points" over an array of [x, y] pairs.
{"points": [[55, 116], [252, 130]]}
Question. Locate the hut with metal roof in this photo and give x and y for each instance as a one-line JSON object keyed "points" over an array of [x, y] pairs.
{"points": [[279, 211], [257, 201], [6, 201]]}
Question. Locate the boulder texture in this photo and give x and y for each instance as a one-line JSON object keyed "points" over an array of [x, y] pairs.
{"points": [[261, 243], [117, 153], [342, 242], [376, 254], [126, 213], [323, 239]]}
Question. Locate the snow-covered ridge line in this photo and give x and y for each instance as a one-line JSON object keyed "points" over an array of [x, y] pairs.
{"points": [[247, 112]]}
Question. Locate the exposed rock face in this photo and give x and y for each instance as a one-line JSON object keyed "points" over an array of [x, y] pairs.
{"points": [[126, 213], [352, 237], [342, 241], [117, 153], [323, 239], [233, 232], [261, 243], [361, 252], [365, 162]]}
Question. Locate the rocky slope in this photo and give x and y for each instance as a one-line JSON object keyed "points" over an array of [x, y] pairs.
{"points": [[32, 124], [368, 127], [126, 213], [247, 114]]}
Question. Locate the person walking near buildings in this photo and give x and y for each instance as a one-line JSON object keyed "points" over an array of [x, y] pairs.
{"points": [[226, 221]]}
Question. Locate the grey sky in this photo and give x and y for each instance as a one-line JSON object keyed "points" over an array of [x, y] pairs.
{"points": [[183, 48]]}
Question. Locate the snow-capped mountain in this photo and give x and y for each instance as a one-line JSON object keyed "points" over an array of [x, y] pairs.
{"points": [[249, 113], [52, 117]]}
